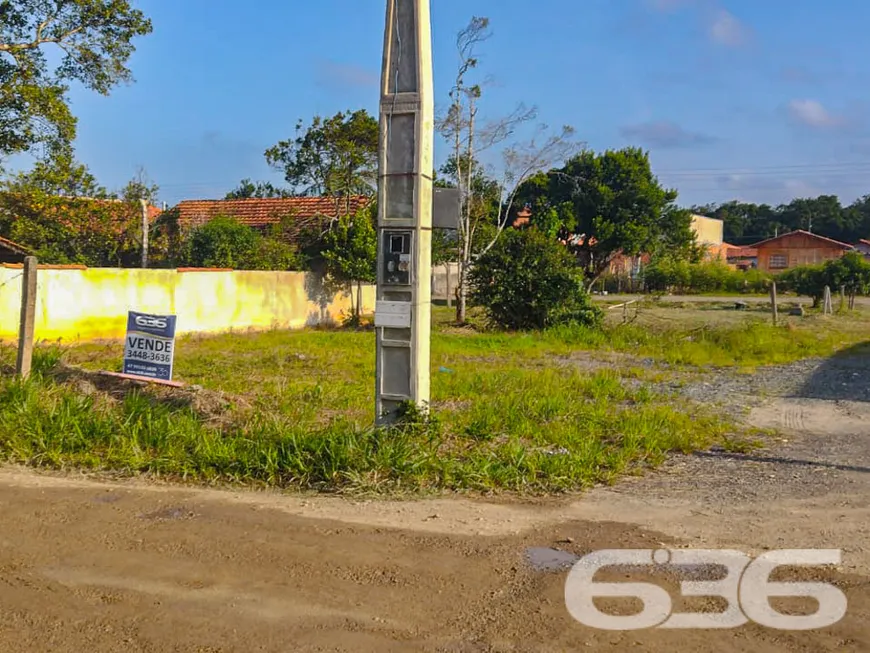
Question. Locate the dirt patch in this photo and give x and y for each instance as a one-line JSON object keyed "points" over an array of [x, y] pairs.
{"points": [[215, 408]]}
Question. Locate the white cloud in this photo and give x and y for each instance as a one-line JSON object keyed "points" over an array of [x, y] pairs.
{"points": [[722, 27], [725, 29], [812, 113]]}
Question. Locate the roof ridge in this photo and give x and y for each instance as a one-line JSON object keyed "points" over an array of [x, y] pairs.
{"points": [[806, 233]]}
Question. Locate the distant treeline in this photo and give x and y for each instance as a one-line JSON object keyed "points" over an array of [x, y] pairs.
{"points": [[747, 223]]}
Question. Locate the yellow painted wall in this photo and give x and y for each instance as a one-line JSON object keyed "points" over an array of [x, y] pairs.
{"points": [[92, 303], [710, 231]]}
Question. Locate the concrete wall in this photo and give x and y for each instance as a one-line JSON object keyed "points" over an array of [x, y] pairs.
{"points": [[440, 281], [90, 304], [710, 231]]}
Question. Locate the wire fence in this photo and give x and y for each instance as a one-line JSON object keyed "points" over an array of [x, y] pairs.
{"points": [[10, 280]]}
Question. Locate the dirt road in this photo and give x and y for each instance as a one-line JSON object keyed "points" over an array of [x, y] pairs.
{"points": [[92, 567], [129, 566]]}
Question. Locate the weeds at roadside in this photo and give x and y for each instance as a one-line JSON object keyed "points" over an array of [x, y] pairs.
{"points": [[511, 415]]}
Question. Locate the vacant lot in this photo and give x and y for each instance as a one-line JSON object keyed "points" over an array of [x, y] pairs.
{"points": [[760, 433], [560, 410]]}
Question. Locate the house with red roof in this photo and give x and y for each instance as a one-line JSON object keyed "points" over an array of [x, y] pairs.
{"points": [[742, 258], [12, 252], [260, 213]]}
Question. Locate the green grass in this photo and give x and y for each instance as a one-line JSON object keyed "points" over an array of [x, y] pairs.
{"points": [[517, 412]]}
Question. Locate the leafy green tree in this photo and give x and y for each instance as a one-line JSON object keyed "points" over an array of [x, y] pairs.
{"points": [[58, 174], [851, 272], [350, 250], [222, 242], [806, 280], [603, 205], [334, 157], [140, 188], [529, 281], [747, 223], [273, 254], [667, 272], [92, 232], [262, 189], [445, 246], [94, 40]]}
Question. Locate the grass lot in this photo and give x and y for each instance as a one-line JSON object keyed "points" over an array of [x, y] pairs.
{"points": [[521, 412]]}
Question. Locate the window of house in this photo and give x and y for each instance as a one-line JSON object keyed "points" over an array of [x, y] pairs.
{"points": [[778, 261]]}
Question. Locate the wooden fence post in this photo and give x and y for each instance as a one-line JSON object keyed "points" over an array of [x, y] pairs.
{"points": [[828, 307], [773, 303], [28, 315]]}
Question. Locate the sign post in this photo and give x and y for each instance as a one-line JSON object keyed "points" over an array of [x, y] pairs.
{"points": [[405, 200], [149, 348]]}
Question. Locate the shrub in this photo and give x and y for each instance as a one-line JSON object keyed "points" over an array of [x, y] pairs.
{"points": [[667, 273], [224, 242], [273, 254], [529, 281], [851, 272]]}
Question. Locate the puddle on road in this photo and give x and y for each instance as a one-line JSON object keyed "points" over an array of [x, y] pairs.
{"points": [[546, 559]]}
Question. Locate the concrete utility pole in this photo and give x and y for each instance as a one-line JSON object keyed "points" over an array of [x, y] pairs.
{"points": [[406, 164], [28, 318]]}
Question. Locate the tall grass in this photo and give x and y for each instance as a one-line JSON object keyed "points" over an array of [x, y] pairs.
{"points": [[513, 411], [522, 430]]}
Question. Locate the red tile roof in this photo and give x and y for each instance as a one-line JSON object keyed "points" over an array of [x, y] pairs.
{"points": [[829, 241], [736, 251], [256, 212], [864, 242], [13, 246]]}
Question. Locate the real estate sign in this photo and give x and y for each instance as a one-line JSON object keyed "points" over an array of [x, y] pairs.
{"points": [[150, 345]]}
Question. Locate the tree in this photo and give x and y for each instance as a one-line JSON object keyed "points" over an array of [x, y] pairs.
{"points": [[851, 272], [806, 280], [261, 189], [604, 205], [445, 246], [222, 242], [483, 219], [334, 157], [350, 251], [92, 232], [94, 39], [528, 281], [139, 188], [58, 174], [747, 223]]}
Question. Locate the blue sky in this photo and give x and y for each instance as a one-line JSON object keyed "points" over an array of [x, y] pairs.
{"points": [[761, 100]]}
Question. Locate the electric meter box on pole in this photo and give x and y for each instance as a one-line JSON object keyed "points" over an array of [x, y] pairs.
{"points": [[149, 347]]}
